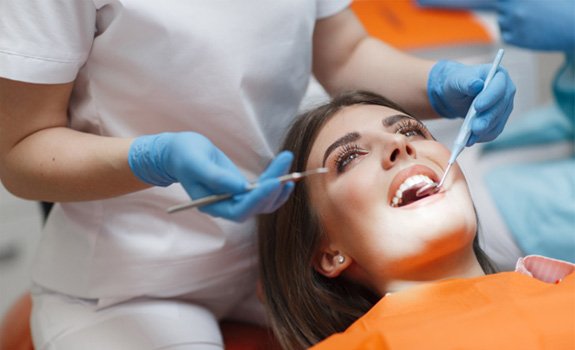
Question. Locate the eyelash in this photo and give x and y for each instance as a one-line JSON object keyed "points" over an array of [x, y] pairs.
{"points": [[408, 125], [346, 154]]}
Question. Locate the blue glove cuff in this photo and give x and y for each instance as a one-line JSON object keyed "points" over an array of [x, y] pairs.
{"points": [[145, 159], [435, 88]]}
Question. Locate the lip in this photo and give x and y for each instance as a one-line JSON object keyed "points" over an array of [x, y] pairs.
{"points": [[406, 173]]}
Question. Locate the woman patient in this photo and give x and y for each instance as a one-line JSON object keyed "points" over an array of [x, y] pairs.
{"points": [[359, 240]]}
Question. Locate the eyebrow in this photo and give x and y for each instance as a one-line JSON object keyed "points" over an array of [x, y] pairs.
{"points": [[392, 119], [354, 136]]}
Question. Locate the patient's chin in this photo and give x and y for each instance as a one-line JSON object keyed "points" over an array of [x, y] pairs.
{"points": [[434, 257]]}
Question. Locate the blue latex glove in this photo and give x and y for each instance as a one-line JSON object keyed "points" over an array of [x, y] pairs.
{"points": [[538, 24], [202, 169], [452, 86]]}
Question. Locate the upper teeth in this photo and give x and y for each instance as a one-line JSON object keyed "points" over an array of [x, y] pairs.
{"points": [[407, 184]]}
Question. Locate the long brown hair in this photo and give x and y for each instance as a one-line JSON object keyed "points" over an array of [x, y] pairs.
{"points": [[305, 306]]}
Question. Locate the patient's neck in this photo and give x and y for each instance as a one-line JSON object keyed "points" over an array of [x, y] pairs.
{"points": [[464, 265]]}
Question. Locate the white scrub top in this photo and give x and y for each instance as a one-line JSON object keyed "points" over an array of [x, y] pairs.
{"points": [[234, 71]]}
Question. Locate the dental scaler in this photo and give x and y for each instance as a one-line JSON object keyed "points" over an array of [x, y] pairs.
{"points": [[220, 197], [464, 132]]}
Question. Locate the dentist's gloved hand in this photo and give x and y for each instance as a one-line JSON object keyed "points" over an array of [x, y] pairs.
{"points": [[452, 86], [202, 169], [539, 25]]}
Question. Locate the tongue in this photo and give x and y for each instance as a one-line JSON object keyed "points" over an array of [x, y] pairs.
{"points": [[410, 195]]}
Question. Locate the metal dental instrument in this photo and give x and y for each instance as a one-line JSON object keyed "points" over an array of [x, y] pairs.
{"points": [[220, 197], [464, 132]]}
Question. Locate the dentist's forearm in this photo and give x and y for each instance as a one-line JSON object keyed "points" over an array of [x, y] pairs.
{"points": [[397, 76], [59, 164], [347, 58], [42, 159]]}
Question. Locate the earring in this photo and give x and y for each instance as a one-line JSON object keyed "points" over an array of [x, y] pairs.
{"points": [[340, 259]]}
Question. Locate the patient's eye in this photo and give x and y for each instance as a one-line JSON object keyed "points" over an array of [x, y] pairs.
{"points": [[412, 128], [346, 155]]}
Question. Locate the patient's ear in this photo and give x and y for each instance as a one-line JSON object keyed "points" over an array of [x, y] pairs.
{"points": [[330, 262]]}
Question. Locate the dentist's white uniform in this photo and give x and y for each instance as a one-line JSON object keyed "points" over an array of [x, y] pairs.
{"points": [[121, 273]]}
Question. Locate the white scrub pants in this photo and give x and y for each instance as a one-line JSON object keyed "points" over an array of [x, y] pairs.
{"points": [[60, 322]]}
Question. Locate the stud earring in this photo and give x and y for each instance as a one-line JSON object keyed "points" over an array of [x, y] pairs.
{"points": [[340, 259]]}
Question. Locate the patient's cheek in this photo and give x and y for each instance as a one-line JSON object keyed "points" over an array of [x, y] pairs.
{"points": [[358, 195], [343, 206]]}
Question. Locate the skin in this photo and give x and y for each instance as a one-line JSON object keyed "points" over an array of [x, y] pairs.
{"points": [[42, 159], [345, 57], [386, 248]]}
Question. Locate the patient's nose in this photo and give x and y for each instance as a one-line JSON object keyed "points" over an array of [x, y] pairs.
{"points": [[396, 149]]}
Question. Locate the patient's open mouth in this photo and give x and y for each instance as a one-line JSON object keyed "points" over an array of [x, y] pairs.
{"points": [[406, 193]]}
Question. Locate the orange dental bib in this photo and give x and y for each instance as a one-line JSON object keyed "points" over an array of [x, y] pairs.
{"points": [[501, 311]]}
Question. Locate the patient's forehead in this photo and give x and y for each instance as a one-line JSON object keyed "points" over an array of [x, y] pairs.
{"points": [[357, 117]]}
